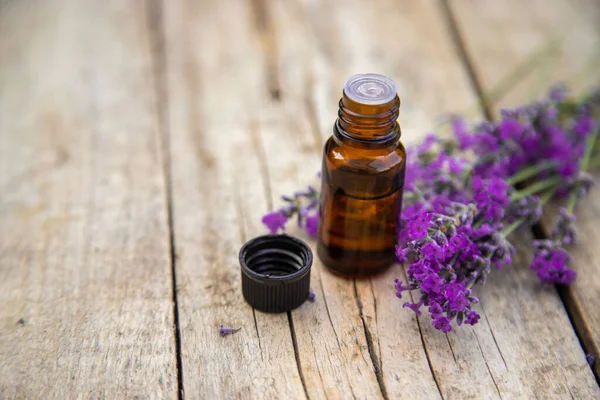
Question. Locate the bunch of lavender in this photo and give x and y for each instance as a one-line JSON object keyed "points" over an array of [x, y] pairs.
{"points": [[460, 212], [464, 196], [454, 229]]}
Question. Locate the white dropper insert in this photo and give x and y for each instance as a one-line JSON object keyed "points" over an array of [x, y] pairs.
{"points": [[371, 89]]}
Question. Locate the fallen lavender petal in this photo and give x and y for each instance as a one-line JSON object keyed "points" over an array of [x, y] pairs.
{"points": [[227, 331]]}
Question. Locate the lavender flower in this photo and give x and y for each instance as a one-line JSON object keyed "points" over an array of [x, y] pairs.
{"points": [[491, 195], [312, 224], [275, 221], [564, 232], [552, 267], [529, 208], [312, 296], [442, 254]]}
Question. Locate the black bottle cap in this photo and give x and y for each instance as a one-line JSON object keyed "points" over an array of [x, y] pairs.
{"points": [[275, 272]]}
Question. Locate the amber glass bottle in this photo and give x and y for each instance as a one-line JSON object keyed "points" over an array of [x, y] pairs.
{"points": [[362, 179]]}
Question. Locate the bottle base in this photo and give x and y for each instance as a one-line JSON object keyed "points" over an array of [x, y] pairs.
{"points": [[353, 263]]}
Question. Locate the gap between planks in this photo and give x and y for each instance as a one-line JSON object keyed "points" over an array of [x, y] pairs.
{"points": [[463, 56], [157, 43], [375, 360]]}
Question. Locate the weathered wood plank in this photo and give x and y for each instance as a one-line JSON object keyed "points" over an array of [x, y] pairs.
{"points": [[574, 60], [85, 273], [220, 190]]}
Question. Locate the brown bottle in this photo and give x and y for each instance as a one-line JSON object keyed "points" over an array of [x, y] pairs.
{"points": [[362, 179]]}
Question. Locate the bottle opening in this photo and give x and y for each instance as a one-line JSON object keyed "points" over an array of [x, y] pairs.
{"points": [[372, 89]]}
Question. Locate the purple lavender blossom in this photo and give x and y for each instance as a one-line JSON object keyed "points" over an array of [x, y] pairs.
{"points": [[417, 228], [583, 126], [558, 93], [227, 331], [464, 137], [491, 195], [510, 129], [312, 297], [553, 268], [442, 323], [527, 208], [275, 221], [400, 288], [564, 231], [590, 358], [401, 253], [439, 248], [472, 318], [312, 225], [416, 307]]}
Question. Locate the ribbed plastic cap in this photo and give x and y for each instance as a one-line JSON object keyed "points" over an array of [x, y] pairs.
{"points": [[275, 272], [371, 89]]}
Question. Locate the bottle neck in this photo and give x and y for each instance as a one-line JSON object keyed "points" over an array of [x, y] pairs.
{"points": [[367, 122]]}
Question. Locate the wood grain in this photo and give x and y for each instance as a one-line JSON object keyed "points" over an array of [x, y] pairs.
{"points": [[85, 274], [574, 60]]}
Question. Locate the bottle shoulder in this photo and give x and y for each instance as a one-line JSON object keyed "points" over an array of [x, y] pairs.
{"points": [[338, 154]]}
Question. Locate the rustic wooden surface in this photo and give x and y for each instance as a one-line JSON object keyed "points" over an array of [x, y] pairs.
{"points": [[85, 274], [140, 143]]}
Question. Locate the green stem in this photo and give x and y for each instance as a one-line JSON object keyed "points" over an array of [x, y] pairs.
{"points": [[594, 162], [583, 167], [547, 196], [536, 187], [530, 172], [512, 227], [478, 223], [572, 199], [468, 176], [454, 258], [588, 150], [543, 200]]}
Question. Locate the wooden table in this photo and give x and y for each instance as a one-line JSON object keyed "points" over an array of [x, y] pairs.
{"points": [[140, 143]]}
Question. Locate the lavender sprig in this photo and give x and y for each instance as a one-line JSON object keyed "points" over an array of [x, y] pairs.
{"points": [[303, 205]]}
